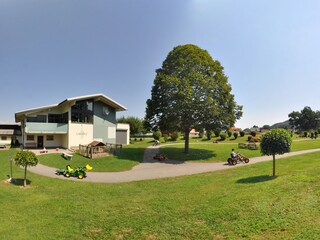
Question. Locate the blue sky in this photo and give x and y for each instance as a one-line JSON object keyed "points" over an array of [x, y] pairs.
{"points": [[54, 49]]}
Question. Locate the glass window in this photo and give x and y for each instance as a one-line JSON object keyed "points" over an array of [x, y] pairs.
{"points": [[4, 138], [38, 118], [58, 118], [50, 137], [82, 112], [30, 137]]}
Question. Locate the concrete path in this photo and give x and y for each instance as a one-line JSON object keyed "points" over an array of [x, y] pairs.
{"points": [[152, 169]]}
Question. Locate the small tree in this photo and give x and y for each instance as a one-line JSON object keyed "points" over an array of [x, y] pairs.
{"points": [[235, 135], [276, 141], [25, 159], [157, 135]]}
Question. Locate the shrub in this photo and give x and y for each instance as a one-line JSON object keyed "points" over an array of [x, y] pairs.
{"points": [[229, 133], [209, 134], [316, 135], [249, 138], [157, 135], [305, 134], [217, 132], [174, 136], [223, 136], [242, 133], [253, 133], [165, 136], [312, 135], [235, 135], [255, 139]]}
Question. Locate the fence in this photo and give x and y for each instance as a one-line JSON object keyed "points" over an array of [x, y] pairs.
{"points": [[100, 151]]}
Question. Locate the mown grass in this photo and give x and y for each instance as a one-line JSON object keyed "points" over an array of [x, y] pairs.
{"points": [[130, 156], [213, 152], [239, 203]]}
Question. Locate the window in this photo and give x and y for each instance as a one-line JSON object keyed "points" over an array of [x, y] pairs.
{"points": [[38, 118], [30, 137], [3, 138], [50, 138], [58, 118], [82, 112]]}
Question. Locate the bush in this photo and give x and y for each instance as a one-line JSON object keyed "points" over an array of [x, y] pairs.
{"points": [[223, 136], [235, 135], [253, 133], [255, 139], [229, 133], [315, 135], [305, 134], [165, 136], [174, 136], [311, 135], [157, 135], [249, 138], [209, 134], [242, 133], [217, 132]]}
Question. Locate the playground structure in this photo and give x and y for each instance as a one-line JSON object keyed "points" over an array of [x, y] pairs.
{"points": [[99, 149]]}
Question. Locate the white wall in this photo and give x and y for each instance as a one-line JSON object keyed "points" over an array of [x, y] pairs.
{"points": [[80, 134], [125, 127], [5, 142]]}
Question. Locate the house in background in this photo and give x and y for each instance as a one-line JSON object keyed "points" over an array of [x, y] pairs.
{"points": [[74, 121], [10, 134]]}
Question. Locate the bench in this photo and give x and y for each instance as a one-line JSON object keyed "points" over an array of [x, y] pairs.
{"points": [[252, 146], [31, 145], [242, 145], [67, 156]]}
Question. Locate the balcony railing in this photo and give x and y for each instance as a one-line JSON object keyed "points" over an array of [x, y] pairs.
{"points": [[50, 128]]}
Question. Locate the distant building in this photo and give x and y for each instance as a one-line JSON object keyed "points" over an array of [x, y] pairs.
{"points": [[74, 121], [10, 134]]}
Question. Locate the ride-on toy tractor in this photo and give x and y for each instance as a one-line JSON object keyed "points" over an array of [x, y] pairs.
{"points": [[79, 172], [239, 158]]}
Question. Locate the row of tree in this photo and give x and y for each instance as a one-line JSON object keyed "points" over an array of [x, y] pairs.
{"points": [[305, 120]]}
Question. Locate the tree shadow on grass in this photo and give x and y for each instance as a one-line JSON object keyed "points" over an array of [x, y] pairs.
{"points": [[193, 155], [19, 182], [256, 179]]}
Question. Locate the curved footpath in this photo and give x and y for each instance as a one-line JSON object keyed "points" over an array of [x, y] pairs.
{"points": [[152, 169]]}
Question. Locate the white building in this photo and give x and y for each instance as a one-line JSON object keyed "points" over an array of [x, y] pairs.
{"points": [[74, 121]]}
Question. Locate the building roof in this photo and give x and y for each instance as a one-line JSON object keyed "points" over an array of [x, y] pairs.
{"points": [[96, 144], [96, 97], [9, 129]]}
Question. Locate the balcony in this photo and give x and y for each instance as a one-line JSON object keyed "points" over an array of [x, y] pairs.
{"points": [[49, 128]]}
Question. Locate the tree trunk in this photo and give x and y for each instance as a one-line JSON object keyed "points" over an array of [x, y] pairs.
{"points": [[186, 140], [25, 177], [274, 165]]}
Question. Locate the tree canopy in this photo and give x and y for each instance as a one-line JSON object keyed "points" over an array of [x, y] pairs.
{"points": [[305, 120], [191, 91], [25, 159], [276, 141], [136, 124]]}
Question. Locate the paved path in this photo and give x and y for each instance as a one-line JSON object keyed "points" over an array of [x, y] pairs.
{"points": [[152, 169]]}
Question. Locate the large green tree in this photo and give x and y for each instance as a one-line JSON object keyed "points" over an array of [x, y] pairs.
{"points": [[191, 91], [276, 141], [25, 159], [136, 124], [305, 120]]}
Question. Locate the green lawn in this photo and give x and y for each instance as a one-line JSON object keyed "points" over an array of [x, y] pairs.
{"points": [[131, 156], [213, 152], [239, 203]]}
